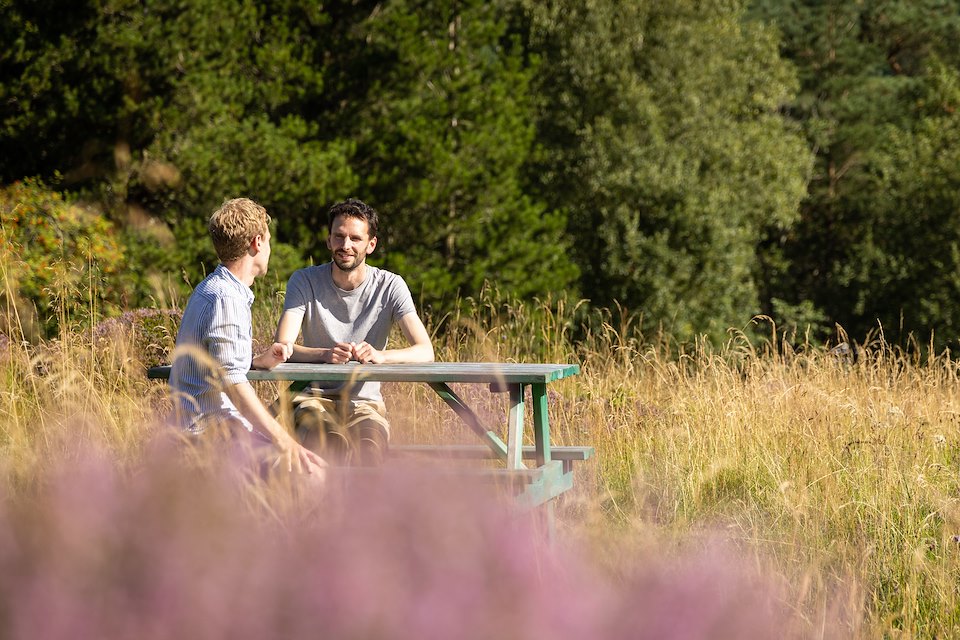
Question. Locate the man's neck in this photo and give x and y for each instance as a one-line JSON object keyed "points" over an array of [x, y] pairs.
{"points": [[348, 280], [242, 269]]}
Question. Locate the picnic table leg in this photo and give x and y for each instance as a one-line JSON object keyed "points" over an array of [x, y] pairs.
{"points": [[541, 423], [548, 520], [541, 438], [515, 428]]}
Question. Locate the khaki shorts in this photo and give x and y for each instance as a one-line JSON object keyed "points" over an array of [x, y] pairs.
{"points": [[345, 431]]}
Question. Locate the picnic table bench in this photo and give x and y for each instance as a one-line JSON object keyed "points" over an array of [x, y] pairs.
{"points": [[550, 470]]}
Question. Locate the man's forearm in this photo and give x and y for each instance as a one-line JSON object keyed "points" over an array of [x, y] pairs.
{"points": [[293, 457], [421, 347], [413, 353], [248, 404], [309, 354], [277, 353]]}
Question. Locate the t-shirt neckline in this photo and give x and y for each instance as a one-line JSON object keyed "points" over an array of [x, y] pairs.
{"points": [[356, 290]]}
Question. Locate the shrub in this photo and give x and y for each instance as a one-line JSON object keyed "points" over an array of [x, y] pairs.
{"points": [[150, 333], [57, 259]]}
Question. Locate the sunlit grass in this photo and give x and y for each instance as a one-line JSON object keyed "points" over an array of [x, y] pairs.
{"points": [[841, 474], [78, 385], [838, 475], [837, 472]]}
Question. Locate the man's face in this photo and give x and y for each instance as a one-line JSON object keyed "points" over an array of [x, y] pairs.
{"points": [[350, 242]]}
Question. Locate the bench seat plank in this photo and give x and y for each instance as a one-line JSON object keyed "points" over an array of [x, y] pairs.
{"points": [[480, 451], [566, 455]]}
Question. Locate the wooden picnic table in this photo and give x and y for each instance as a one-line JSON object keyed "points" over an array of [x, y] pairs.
{"points": [[550, 473]]}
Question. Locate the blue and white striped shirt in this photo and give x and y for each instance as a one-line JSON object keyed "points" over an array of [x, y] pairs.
{"points": [[214, 349]]}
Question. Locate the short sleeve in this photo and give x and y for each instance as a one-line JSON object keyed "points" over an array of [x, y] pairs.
{"points": [[401, 299], [296, 296]]}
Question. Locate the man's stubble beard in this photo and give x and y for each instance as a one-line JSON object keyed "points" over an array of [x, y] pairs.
{"points": [[356, 265]]}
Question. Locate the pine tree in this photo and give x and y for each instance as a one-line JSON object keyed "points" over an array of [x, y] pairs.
{"points": [[864, 253], [442, 138]]}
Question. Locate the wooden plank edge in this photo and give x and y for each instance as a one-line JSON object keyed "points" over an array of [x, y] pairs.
{"points": [[481, 451]]}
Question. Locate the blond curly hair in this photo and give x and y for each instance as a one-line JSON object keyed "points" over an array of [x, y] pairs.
{"points": [[234, 225]]}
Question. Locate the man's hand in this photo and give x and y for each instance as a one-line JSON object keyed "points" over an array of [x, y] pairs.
{"points": [[342, 352], [277, 352], [295, 458], [365, 353]]}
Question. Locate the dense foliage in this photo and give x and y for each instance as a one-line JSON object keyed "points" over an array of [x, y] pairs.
{"points": [[54, 255], [876, 246], [695, 162]]}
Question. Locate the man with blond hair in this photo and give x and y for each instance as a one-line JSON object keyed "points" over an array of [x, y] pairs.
{"points": [[345, 310], [215, 344]]}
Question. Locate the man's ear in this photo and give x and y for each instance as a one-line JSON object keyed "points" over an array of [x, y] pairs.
{"points": [[372, 245], [256, 244]]}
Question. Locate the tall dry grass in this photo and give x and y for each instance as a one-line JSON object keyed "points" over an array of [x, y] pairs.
{"points": [[839, 473], [835, 469], [831, 480], [108, 531]]}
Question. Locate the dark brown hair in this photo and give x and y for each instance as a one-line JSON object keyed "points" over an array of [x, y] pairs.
{"points": [[353, 208]]}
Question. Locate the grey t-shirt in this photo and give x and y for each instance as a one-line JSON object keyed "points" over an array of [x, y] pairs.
{"points": [[331, 315]]}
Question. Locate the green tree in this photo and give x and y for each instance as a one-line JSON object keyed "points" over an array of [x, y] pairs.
{"points": [[905, 268], [662, 138], [162, 109], [865, 252], [442, 138]]}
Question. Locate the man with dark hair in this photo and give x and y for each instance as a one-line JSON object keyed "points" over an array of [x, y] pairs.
{"points": [[215, 344], [345, 310]]}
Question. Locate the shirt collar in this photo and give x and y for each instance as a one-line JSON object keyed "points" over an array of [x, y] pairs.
{"points": [[222, 272]]}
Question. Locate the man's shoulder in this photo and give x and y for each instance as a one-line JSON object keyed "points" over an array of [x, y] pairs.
{"points": [[217, 287], [315, 268], [313, 272], [207, 290], [392, 287], [384, 276]]}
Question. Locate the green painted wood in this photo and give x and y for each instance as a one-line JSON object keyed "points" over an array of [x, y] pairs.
{"points": [[548, 520], [497, 373], [541, 423], [515, 428], [514, 481], [470, 418], [479, 452], [552, 482], [297, 386], [567, 455]]}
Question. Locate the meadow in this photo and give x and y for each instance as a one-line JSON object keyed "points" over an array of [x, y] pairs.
{"points": [[762, 488]]}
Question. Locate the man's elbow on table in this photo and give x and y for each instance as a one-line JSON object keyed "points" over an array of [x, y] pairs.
{"points": [[421, 348], [427, 353]]}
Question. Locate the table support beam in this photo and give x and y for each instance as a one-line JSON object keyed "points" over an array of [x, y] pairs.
{"points": [[470, 418]]}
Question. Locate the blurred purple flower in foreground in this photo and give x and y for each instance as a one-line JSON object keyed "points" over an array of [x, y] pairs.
{"points": [[169, 552]]}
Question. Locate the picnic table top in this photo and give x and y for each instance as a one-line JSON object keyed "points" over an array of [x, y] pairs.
{"points": [[489, 372]]}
